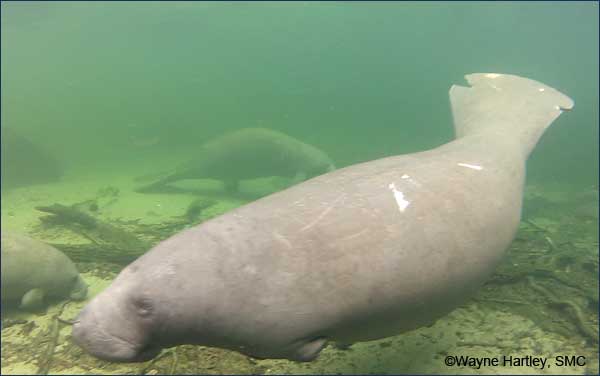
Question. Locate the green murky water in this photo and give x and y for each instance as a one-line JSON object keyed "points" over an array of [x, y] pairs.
{"points": [[101, 98]]}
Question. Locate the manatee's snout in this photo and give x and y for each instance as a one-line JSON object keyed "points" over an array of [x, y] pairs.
{"points": [[80, 289], [111, 336]]}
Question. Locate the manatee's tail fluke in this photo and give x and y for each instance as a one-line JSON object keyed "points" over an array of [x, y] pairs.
{"points": [[506, 103], [160, 182], [160, 185]]}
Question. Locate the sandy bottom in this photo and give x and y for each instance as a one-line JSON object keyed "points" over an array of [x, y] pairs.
{"points": [[473, 330]]}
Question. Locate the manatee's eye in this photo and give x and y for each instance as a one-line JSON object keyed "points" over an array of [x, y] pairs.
{"points": [[143, 306]]}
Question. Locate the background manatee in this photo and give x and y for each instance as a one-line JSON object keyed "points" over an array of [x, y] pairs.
{"points": [[23, 162], [34, 273], [247, 154]]}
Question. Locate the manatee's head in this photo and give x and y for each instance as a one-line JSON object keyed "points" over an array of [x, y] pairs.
{"points": [[118, 324], [316, 161], [320, 167], [67, 282], [79, 289]]}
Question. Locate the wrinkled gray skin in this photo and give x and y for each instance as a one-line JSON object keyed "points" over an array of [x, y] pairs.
{"points": [[361, 253], [34, 273], [247, 154]]}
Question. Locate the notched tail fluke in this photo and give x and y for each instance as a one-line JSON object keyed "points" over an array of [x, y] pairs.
{"points": [[504, 100]]}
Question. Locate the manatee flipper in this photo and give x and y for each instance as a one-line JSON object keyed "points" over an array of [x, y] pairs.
{"points": [[310, 350], [32, 300]]}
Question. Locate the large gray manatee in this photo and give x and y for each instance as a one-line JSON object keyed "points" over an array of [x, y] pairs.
{"points": [[247, 154], [361, 253], [34, 272]]}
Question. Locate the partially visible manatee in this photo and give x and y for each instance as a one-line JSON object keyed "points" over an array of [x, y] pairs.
{"points": [[34, 273], [23, 162], [248, 154]]}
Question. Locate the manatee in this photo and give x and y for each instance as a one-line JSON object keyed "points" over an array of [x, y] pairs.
{"points": [[23, 162], [361, 253], [246, 154], [34, 273]]}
